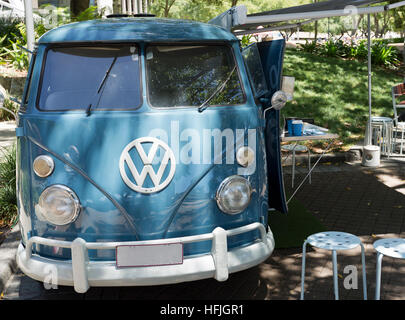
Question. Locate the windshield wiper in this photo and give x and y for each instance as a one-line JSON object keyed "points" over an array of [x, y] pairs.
{"points": [[219, 89], [101, 85]]}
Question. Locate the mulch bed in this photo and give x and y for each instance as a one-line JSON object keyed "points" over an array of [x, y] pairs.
{"points": [[4, 231]]}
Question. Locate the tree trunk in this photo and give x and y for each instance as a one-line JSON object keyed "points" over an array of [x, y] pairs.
{"points": [[234, 3], [168, 6], [377, 26], [316, 32], [316, 28], [403, 49], [78, 6]]}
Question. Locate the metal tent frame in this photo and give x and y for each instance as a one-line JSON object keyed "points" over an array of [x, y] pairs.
{"points": [[239, 22]]}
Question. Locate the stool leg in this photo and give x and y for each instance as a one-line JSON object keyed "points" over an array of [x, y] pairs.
{"points": [[335, 275], [387, 139], [378, 276], [309, 166], [293, 169], [363, 262], [383, 143], [395, 140], [303, 269]]}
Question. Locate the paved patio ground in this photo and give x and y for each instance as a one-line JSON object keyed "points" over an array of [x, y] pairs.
{"points": [[368, 202], [7, 133]]}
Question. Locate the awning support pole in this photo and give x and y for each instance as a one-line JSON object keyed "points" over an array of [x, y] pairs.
{"points": [[29, 22], [369, 77]]}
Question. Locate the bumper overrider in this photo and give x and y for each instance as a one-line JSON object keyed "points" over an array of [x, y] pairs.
{"points": [[82, 273]]}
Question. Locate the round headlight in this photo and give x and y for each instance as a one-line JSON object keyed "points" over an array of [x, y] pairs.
{"points": [[43, 166], [245, 156], [233, 195], [58, 205]]}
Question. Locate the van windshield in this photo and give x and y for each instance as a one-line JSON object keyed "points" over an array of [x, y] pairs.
{"points": [[104, 77], [181, 76]]}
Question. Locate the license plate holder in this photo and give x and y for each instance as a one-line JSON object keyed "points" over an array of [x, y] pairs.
{"points": [[149, 255]]}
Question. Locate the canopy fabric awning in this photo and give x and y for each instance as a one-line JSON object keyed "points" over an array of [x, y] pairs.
{"points": [[318, 6], [237, 18]]}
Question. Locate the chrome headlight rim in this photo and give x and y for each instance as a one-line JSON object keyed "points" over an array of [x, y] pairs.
{"points": [[49, 161], [71, 194], [223, 186]]}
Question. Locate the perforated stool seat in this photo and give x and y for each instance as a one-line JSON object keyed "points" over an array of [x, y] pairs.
{"points": [[294, 148], [392, 247], [334, 241]]}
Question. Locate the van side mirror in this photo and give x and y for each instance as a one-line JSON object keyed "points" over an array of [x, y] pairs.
{"points": [[278, 100]]}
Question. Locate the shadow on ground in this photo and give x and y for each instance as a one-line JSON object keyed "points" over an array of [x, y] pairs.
{"points": [[343, 197]]}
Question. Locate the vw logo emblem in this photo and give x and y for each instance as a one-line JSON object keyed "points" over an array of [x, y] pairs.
{"points": [[138, 179]]}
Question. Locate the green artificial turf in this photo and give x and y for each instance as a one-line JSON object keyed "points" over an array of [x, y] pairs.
{"points": [[290, 230]]}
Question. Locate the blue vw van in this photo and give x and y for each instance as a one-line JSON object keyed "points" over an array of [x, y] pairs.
{"points": [[148, 153]]}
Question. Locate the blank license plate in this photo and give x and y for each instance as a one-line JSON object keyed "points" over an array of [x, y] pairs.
{"points": [[149, 255]]}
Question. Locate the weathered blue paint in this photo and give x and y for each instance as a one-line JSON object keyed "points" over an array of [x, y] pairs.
{"points": [[272, 55], [87, 149], [137, 29]]}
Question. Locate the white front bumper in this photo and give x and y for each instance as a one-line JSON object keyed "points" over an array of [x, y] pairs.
{"points": [[82, 273]]}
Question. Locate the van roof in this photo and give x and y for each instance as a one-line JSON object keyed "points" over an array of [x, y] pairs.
{"points": [[137, 29]]}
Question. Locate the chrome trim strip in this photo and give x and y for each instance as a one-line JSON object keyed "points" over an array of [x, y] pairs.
{"points": [[82, 273]]}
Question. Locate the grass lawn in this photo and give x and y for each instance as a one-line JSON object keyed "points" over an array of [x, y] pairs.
{"points": [[334, 93]]}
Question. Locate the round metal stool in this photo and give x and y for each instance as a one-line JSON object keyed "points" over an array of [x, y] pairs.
{"points": [[334, 241], [293, 148], [381, 134], [392, 247]]}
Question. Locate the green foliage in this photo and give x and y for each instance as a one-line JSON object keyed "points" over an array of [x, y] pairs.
{"points": [[360, 51], [381, 53], [16, 56], [329, 48], [88, 14], [10, 50], [308, 46], [8, 193], [5, 115], [204, 10], [9, 28], [13, 34], [246, 40]]}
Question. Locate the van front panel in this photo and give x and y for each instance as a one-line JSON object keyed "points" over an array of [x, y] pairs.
{"points": [[94, 146]]}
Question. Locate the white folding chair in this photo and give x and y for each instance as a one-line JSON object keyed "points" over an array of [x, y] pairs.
{"points": [[397, 92]]}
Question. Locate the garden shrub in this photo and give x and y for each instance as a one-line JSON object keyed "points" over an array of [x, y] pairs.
{"points": [[13, 34], [309, 46], [8, 192], [5, 115], [381, 53]]}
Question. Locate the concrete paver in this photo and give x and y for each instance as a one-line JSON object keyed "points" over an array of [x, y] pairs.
{"points": [[7, 133]]}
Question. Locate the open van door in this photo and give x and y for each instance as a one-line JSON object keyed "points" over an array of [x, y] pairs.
{"points": [[264, 61], [271, 56]]}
